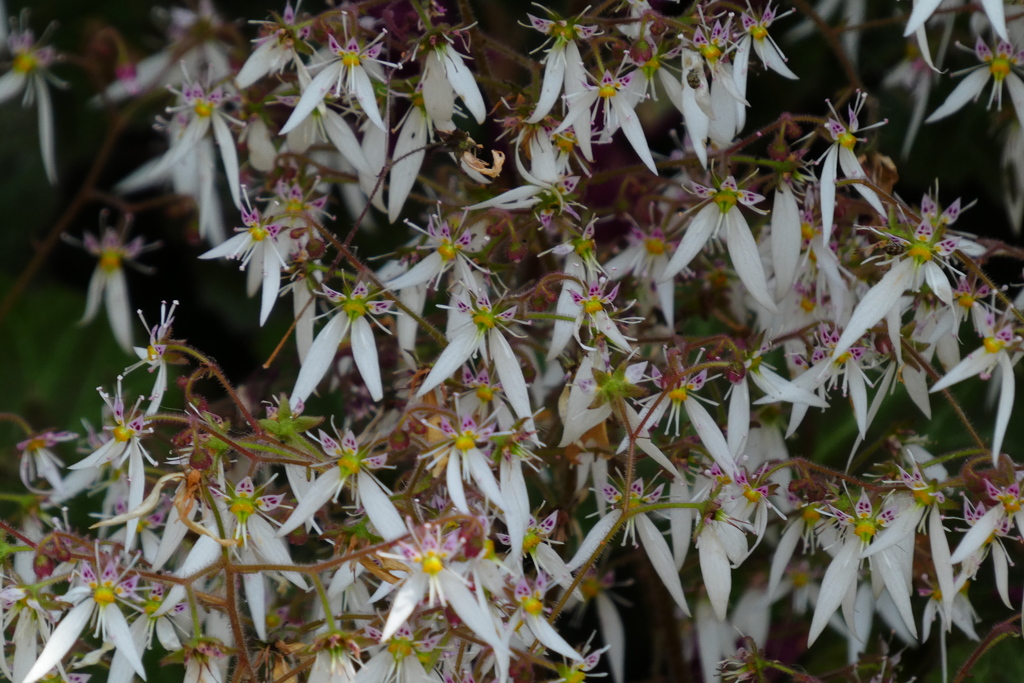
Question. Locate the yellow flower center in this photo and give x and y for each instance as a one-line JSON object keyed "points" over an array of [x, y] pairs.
{"points": [[151, 353], [575, 676], [607, 91], [711, 53], [865, 529], [1000, 68], [753, 495], [807, 232], [25, 63], [349, 465], [759, 32], [800, 579], [351, 59], [807, 304], [847, 140], [484, 320], [355, 308], [590, 588], [843, 358], [678, 394], [920, 253], [810, 515], [993, 345], [258, 233], [110, 260], [533, 606], [432, 564], [104, 595], [592, 306], [465, 442], [1010, 504], [35, 443], [203, 108], [726, 199], [122, 433], [531, 541], [400, 648], [485, 394], [447, 251], [242, 508], [294, 206], [151, 607], [655, 246], [923, 496], [565, 142]]}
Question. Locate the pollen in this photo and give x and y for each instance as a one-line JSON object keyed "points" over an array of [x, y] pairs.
{"points": [[865, 530], [593, 306], [485, 394], [122, 433], [355, 308], [447, 251], [753, 495], [654, 246], [242, 507], [923, 496], [920, 253], [711, 53], [110, 260], [1010, 504], [484, 320], [349, 465], [432, 564], [400, 649], [847, 140], [533, 606], [807, 304], [258, 233], [966, 301], [993, 345], [759, 32], [607, 91], [531, 541], [103, 595], [1000, 69], [203, 108], [465, 442], [725, 200], [25, 63], [678, 394], [351, 59]]}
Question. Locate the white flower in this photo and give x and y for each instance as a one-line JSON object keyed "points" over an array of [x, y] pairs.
{"points": [[37, 460], [756, 37], [563, 65], [923, 9], [999, 66], [531, 606], [154, 354], [616, 100], [275, 50], [351, 68], [841, 154], [354, 307], [30, 72], [721, 208], [260, 239], [479, 327], [93, 595], [445, 75]]}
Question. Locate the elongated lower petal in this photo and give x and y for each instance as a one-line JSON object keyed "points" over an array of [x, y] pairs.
{"points": [[61, 640]]}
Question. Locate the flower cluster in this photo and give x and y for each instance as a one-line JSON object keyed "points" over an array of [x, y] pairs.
{"points": [[620, 336]]}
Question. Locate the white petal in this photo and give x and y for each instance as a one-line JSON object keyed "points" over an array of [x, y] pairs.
{"points": [[453, 479], [364, 93], [229, 157], [715, 570], [313, 95], [12, 82], [852, 169], [965, 91], [403, 604], [1005, 408], [256, 600], [461, 346], [922, 10], [594, 539], [408, 157], [746, 259], [46, 134], [694, 239], [975, 362], [996, 15], [257, 65], [549, 637], [271, 280], [889, 568], [344, 140], [551, 86], [469, 610], [464, 83], [978, 534], [839, 577], [940, 556], [661, 558], [827, 188], [510, 373], [320, 356], [710, 435], [484, 477], [322, 490], [364, 352], [614, 635], [634, 132], [61, 640], [786, 240], [271, 548], [379, 508], [783, 553], [875, 304], [118, 309]]}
